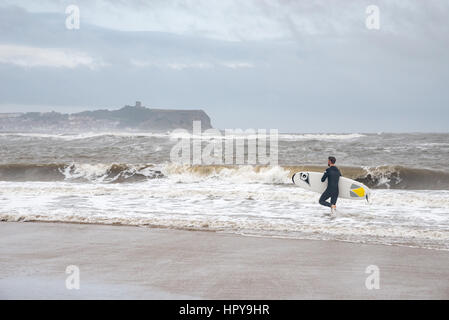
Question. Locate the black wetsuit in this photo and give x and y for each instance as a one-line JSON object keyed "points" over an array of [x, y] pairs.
{"points": [[333, 176]]}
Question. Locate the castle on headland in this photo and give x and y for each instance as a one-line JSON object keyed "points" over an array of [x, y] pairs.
{"points": [[128, 118]]}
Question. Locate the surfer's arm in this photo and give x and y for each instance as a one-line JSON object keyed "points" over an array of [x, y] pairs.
{"points": [[323, 178]]}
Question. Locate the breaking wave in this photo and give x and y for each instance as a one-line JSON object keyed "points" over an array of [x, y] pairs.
{"points": [[381, 177], [100, 173], [177, 135]]}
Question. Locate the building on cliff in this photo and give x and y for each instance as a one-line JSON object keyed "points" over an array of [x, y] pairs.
{"points": [[128, 118]]}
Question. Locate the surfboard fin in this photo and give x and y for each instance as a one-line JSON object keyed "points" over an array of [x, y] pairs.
{"points": [[367, 199]]}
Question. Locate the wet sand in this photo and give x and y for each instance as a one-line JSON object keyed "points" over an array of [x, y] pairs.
{"points": [[119, 262]]}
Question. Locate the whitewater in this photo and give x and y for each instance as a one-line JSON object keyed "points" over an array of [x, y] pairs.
{"points": [[127, 179]]}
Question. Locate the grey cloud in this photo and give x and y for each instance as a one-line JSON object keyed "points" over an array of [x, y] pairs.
{"points": [[341, 77]]}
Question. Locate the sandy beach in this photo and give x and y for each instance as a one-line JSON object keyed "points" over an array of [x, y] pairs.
{"points": [[121, 262]]}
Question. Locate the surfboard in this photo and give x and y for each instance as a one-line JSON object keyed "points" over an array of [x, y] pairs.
{"points": [[347, 188]]}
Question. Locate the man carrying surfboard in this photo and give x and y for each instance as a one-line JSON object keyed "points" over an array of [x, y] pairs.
{"points": [[332, 174]]}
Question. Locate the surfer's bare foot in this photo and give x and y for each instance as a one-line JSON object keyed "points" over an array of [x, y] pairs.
{"points": [[333, 209]]}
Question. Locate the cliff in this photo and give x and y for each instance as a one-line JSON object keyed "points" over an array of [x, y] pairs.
{"points": [[133, 118]]}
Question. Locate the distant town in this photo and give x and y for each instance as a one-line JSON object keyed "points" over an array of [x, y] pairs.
{"points": [[133, 118]]}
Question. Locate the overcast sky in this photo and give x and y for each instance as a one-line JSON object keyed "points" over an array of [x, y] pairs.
{"points": [[298, 66]]}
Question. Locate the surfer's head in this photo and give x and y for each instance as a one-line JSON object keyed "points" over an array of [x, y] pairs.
{"points": [[331, 161]]}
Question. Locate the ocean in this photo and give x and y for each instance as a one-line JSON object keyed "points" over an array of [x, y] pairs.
{"points": [[127, 178]]}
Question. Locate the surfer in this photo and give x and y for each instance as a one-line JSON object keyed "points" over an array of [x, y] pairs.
{"points": [[332, 174]]}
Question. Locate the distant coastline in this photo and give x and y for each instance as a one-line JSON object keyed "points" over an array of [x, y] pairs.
{"points": [[128, 118]]}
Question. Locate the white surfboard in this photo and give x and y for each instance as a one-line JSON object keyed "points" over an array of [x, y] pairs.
{"points": [[347, 188]]}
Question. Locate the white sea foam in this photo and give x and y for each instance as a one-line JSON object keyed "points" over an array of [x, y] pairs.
{"points": [[241, 174], [105, 173], [281, 136], [87, 135], [413, 218], [321, 136], [92, 172], [179, 135]]}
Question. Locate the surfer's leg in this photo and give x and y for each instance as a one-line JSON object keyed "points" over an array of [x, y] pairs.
{"points": [[334, 198], [323, 199]]}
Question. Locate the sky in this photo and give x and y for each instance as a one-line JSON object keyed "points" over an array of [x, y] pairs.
{"points": [[296, 66]]}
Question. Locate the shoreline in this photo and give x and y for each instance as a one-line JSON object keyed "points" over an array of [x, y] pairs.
{"points": [[218, 231], [119, 262]]}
